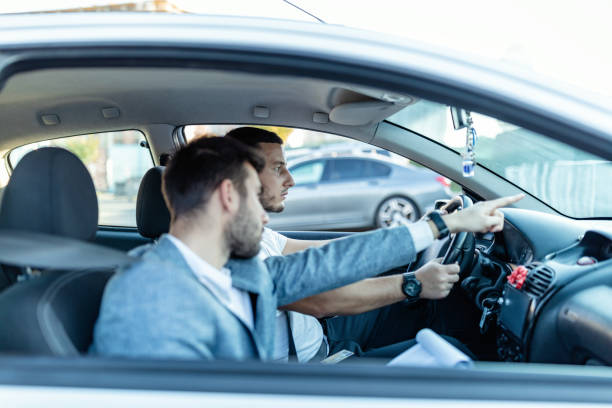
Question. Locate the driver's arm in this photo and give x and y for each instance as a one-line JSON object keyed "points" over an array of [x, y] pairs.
{"points": [[297, 245], [369, 294], [373, 293], [356, 298], [436, 279]]}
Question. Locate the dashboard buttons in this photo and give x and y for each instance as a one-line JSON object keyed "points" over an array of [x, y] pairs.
{"points": [[518, 276], [508, 349]]}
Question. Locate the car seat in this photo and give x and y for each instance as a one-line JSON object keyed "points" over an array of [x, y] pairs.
{"points": [[51, 192], [152, 215]]}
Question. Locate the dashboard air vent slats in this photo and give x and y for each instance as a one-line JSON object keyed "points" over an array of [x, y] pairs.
{"points": [[538, 279]]}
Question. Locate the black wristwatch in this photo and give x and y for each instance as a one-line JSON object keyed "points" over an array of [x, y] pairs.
{"points": [[436, 218], [411, 285]]}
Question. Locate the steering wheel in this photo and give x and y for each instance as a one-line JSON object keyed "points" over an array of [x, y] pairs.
{"points": [[462, 245]]}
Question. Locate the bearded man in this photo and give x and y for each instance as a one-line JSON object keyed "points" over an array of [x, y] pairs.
{"points": [[183, 299]]}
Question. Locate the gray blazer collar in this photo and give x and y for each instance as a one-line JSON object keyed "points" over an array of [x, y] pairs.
{"points": [[245, 273], [170, 253], [250, 275]]}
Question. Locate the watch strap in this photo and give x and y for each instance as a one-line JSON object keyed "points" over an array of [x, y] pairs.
{"points": [[436, 218]]}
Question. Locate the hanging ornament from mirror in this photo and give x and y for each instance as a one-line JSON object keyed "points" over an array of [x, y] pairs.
{"points": [[469, 156]]}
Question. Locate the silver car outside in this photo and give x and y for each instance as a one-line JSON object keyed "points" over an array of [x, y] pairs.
{"points": [[354, 192]]}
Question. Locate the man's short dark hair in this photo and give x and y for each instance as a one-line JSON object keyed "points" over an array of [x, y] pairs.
{"points": [[196, 170], [252, 136]]}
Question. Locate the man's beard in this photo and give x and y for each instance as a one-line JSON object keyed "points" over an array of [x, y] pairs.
{"points": [[243, 235], [267, 202]]}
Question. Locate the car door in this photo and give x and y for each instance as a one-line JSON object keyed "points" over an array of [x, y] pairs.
{"points": [[75, 381]]}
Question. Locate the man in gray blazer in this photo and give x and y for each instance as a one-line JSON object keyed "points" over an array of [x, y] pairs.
{"points": [[183, 299]]}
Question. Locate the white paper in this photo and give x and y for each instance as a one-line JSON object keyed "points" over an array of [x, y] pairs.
{"points": [[432, 350]]}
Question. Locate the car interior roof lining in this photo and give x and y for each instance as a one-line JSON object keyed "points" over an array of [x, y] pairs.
{"points": [[177, 96]]}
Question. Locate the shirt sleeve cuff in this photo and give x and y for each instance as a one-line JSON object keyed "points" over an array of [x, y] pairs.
{"points": [[422, 236]]}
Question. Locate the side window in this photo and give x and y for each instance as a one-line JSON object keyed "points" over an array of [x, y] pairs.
{"points": [[332, 165], [344, 169], [308, 173], [116, 161], [375, 169]]}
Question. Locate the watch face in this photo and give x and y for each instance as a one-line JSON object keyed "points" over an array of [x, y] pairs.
{"points": [[412, 287]]}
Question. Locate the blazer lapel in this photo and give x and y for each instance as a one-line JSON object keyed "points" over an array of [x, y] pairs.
{"points": [[250, 275]]}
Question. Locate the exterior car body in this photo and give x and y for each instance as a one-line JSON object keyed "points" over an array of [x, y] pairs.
{"points": [[162, 72]]}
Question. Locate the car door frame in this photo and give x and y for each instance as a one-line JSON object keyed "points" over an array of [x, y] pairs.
{"points": [[498, 383]]}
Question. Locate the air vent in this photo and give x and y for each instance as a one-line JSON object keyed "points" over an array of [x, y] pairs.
{"points": [[539, 279]]}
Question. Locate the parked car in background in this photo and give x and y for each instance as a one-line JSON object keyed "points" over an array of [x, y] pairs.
{"points": [[356, 191], [338, 148]]}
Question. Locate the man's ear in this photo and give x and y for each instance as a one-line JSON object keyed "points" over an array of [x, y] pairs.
{"points": [[228, 196]]}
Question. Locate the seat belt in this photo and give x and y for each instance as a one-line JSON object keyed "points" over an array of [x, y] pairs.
{"points": [[292, 350]]}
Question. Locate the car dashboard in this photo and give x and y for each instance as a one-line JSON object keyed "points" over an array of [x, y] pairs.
{"points": [[544, 285]]}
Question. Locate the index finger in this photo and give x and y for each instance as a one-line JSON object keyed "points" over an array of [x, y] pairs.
{"points": [[504, 201]]}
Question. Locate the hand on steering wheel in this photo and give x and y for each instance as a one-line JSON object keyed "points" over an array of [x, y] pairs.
{"points": [[462, 244], [484, 216], [436, 279]]}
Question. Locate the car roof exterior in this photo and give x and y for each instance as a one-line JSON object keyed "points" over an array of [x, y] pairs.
{"points": [[336, 42]]}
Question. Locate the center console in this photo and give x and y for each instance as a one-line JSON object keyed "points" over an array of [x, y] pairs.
{"points": [[529, 287]]}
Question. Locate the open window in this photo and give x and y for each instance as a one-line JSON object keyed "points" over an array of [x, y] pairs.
{"points": [[116, 161], [344, 184]]}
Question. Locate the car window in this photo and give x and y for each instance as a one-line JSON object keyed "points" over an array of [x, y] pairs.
{"points": [[375, 169], [573, 182], [352, 169], [116, 161], [307, 173], [345, 169], [330, 164]]}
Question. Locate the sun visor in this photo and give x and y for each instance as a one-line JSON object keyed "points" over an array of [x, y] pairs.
{"points": [[43, 251], [362, 113]]}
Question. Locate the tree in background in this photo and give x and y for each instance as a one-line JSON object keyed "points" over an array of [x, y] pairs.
{"points": [[85, 148]]}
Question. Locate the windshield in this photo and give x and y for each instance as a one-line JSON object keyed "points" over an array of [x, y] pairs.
{"points": [[571, 181]]}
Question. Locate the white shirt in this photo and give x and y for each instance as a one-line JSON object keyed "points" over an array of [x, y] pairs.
{"points": [[219, 282], [307, 331]]}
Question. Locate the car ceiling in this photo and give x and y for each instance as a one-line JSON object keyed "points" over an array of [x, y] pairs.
{"points": [[157, 100], [178, 96]]}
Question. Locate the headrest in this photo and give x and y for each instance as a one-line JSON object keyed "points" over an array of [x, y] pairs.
{"points": [[152, 215], [51, 192]]}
